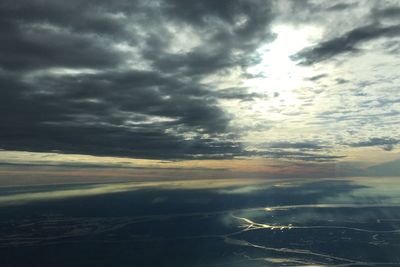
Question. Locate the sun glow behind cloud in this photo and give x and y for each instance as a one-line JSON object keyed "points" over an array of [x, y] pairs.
{"points": [[279, 75]]}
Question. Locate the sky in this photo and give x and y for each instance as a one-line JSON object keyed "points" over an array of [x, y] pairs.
{"points": [[176, 88]]}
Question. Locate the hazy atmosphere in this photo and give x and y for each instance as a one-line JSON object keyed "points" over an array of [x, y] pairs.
{"points": [[199, 109]]}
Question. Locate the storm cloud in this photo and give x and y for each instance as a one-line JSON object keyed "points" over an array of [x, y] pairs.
{"points": [[103, 78]]}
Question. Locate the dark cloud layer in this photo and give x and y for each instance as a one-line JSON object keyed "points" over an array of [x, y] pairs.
{"points": [[112, 109], [386, 143], [128, 116]]}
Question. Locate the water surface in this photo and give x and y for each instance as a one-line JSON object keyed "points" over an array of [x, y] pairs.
{"points": [[232, 222]]}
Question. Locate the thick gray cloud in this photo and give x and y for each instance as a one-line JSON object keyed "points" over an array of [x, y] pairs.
{"points": [[40, 34], [233, 29], [345, 43], [68, 86], [120, 114]]}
